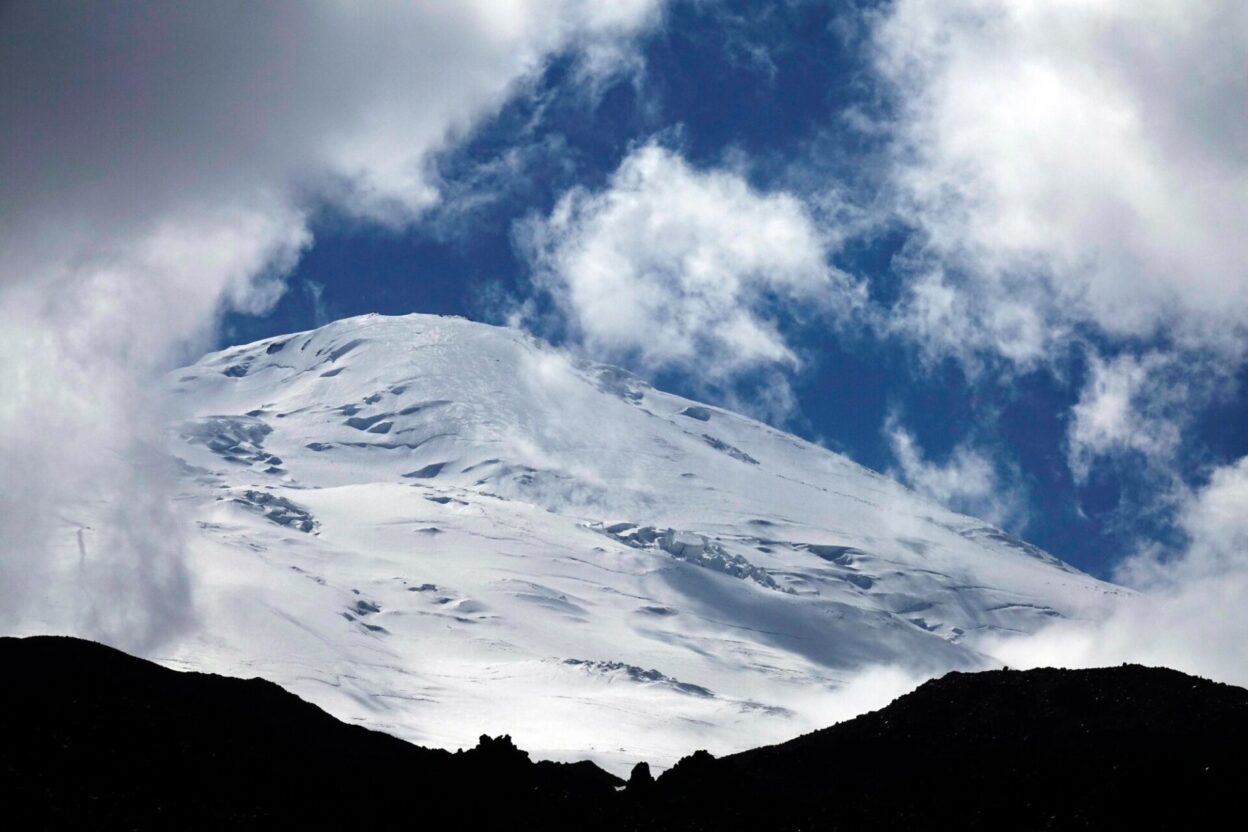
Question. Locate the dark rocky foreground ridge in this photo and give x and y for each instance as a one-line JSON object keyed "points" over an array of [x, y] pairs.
{"points": [[91, 737]]}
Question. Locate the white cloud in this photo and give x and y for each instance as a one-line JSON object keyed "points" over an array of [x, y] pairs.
{"points": [[1072, 163], [968, 481], [1128, 404], [1144, 406], [943, 318], [158, 164], [674, 268], [1215, 519], [1078, 169], [1192, 617]]}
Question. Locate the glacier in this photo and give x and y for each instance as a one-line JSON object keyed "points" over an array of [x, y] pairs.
{"points": [[439, 528]]}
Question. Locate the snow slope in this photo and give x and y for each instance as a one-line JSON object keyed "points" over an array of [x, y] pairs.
{"points": [[441, 528]]}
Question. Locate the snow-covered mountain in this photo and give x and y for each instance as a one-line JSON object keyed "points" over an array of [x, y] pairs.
{"points": [[441, 528]]}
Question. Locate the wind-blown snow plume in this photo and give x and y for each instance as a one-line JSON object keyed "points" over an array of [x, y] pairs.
{"points": [[158, 163]]}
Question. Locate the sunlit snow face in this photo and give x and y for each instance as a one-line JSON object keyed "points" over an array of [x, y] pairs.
{"points": [[468, 524]]}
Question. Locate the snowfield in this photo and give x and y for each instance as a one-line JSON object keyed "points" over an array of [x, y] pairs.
{"points": [[440, 528]]}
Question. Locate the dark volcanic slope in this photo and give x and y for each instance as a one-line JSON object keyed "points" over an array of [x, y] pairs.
{"points": [[1000, 749], [93, 737], [90, 734]]}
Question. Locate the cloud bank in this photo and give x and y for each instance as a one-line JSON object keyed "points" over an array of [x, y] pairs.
{"points": [[159, 163], [1075, 172], [1080, 162]]}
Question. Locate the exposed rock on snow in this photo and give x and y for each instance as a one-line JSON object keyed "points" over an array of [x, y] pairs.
{"points": [[279, 510], [699, 413], [636, 674], [720, 445]]}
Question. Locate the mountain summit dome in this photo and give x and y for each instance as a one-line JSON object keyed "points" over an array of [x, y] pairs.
{"points": [[442, 528]]}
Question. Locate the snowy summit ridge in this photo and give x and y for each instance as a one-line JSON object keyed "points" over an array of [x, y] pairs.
{"points": [[439, 528]]}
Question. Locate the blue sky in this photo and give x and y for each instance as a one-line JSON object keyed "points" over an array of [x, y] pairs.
{"points": [[994, 248], [790, 98]]}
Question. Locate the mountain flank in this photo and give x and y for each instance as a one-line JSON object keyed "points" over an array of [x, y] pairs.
{"points": [[92, 736], [435, 527]]}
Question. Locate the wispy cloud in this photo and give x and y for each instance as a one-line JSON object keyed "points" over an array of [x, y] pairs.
{"points": [[969, 480], [1129, 405]]}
